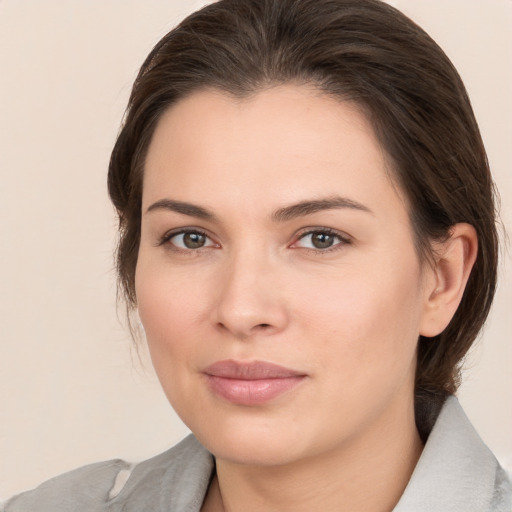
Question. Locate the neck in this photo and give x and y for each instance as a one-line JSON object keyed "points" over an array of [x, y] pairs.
{"points": [[367, 474]]}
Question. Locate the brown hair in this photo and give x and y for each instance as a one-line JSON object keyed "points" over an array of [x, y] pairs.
{"points": [[359, 50]]}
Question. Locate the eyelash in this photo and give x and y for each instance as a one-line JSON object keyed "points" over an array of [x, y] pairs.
{"points": [[343, 240], [167, 237]]}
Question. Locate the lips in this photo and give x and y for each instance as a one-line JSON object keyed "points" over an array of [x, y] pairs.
{"points": [[253, 383]]}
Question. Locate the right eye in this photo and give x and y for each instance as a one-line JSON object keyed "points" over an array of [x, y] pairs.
{"points": [[188, 240]]}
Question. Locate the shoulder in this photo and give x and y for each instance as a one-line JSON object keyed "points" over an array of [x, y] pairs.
{"points": [[86, 486], [502, 492], [179, 475]]}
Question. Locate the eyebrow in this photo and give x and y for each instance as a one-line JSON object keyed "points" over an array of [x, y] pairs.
{"points": [[317, 205], [182, 207], [284, 214]]}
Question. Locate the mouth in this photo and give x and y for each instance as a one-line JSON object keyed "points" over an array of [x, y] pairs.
{"points": [[253, 383]]}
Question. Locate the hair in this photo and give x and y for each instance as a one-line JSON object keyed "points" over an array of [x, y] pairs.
{"points": [[363, 51]]}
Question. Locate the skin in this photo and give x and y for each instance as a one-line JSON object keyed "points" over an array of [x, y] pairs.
{"points": [[346, 316]]}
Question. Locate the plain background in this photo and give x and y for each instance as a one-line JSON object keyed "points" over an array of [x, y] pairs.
{"points": [[71, 389]]}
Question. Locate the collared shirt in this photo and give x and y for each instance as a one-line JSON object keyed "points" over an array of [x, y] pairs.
{"points": [[455, 473]]}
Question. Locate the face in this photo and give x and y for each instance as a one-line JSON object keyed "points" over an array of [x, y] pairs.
{"points": [[277, 278]]}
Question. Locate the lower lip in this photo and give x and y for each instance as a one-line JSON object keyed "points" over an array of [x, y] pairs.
{"points": [[252, 392]]}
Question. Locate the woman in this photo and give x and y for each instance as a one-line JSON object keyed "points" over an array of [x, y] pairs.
{"points": [[307, 232]]}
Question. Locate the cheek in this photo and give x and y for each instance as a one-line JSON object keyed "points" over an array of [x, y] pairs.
{"points": [[365, 320], [171, 306], [167, 297], [170, 309], [363, 340]]}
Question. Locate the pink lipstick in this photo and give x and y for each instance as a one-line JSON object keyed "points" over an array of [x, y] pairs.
{"points": [[250, 383]]}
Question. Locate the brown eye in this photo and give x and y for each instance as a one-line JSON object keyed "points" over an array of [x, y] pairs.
{"points": [[321, 240], [193, 240], [189, 240]]}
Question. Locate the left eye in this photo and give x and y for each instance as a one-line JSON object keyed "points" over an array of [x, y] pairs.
{"points": [[190, 240], [320, 240]]}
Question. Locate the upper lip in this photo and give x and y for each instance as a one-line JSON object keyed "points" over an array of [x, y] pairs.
{"points": [[254, 370]]}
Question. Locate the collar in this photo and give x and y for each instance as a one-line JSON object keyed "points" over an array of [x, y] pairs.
{"points": [[456, 470]]}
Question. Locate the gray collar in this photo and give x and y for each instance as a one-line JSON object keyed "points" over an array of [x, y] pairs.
{"points": [[456, 470], [174, 481]]}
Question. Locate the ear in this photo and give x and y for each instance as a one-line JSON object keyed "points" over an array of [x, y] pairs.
{"points": [[447, 279]]}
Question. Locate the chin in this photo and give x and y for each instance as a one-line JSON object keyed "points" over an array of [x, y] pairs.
{"points": [[258, 443], [252, 452]]}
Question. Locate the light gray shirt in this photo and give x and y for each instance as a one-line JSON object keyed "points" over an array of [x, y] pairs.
{"points": [[456, 473]]}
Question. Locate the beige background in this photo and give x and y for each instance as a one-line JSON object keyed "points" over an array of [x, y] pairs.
{"points": [[69, 392]]}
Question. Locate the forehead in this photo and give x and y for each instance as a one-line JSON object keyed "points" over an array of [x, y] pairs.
{"points": [[281, 143]]}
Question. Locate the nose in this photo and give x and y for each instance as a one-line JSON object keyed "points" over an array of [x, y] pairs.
{"points": [[250, 300]]}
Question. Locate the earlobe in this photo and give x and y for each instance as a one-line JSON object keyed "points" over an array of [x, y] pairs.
{"points": [[453, 260]]}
